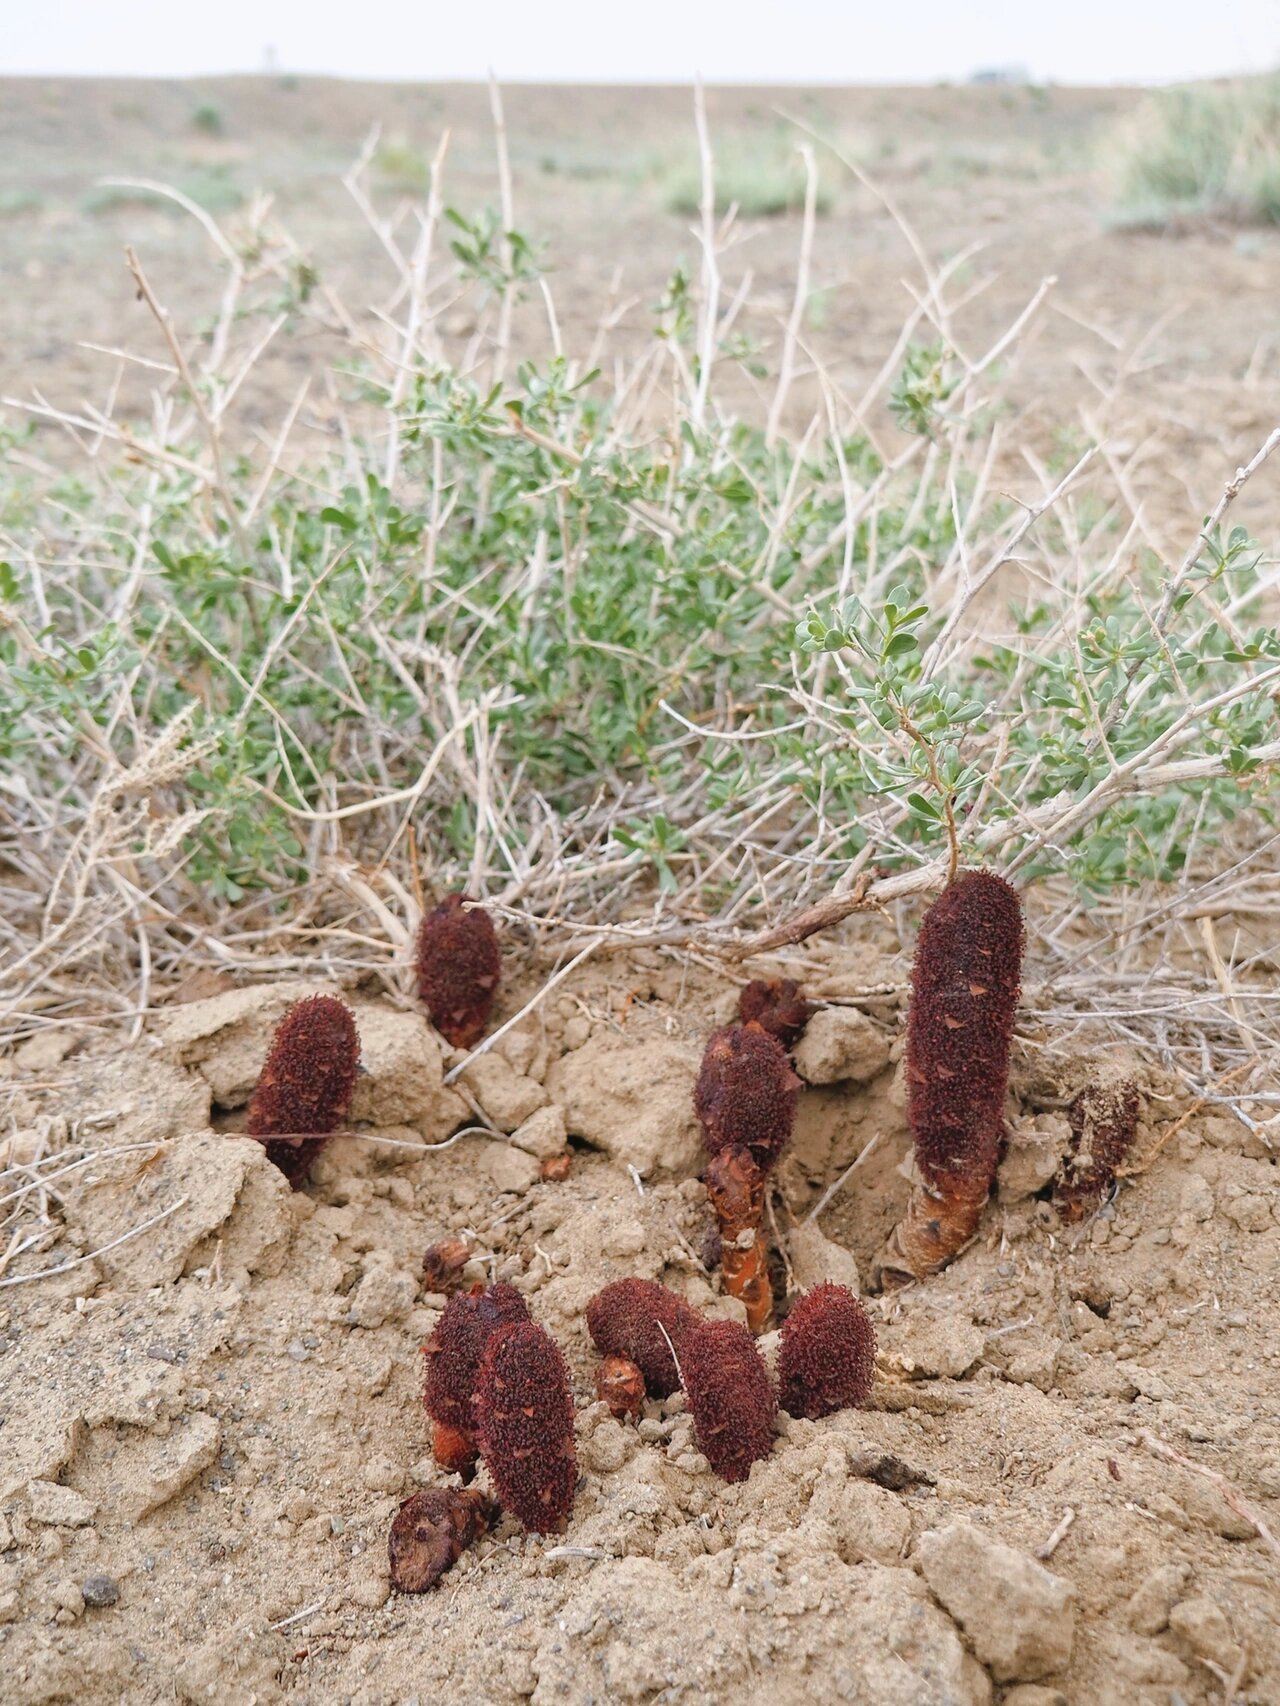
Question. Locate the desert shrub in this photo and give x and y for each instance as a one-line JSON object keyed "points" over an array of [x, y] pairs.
{"points": [[19, 203], [401, 165], [507, 622], [1206, 151], [761, 174], [207, 119]]}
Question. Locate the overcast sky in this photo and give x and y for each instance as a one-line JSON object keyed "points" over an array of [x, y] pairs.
{"points": [[840, 41]]}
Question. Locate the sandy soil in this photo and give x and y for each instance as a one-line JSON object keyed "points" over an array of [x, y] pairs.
{"points": [[212, 1424]]}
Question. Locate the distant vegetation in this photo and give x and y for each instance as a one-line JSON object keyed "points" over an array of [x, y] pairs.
{"points": [[762, 176], [1209, 151]]}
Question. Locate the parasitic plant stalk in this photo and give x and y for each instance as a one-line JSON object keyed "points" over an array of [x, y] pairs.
{"points": [[745, 1099], [524, 1423], [306, 1084], [459, 969], [736, 1187], [453, 1354], [827, 1354], [964, 995]]}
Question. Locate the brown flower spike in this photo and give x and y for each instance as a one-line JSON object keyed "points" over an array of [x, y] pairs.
{"points": [[965, 987], [733, 1406], [459, 969], [777, 1006], [745, 1098], [746, 1093], [628, 1318], [306, 1084], [827, 1355], [1104, 1122], [431, 1531], [453, 1354], [524, 1423]]}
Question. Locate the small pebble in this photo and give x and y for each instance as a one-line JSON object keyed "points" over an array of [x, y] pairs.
{"points": [[99, 1590], [67, 1597], [372, 1592]]}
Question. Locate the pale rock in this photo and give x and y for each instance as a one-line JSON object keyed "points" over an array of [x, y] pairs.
{"points": [[1149, 1664], [1250, 1213], [645, 1627], [521, 1048], [1033, 1694], [815, 1258], [236, 1667], [543, 1134], [506, 1167], [173, 1463], [932, 1347], [67, 1597], [895, 1648], [624, 1238], [230, 1194], [870, 1523], [635, 1102], [226, 1039], [1206, 1506], [59, 1506], [841, 1045], [371, 1592], [45, 1050], [1032, 1157], [1150, 1603], [1203, 1625], [403, 1080], [1035, 1364], [381, 1475], [1019, 1617], [384, 1293], [505, 1095], [608, 1447], [1197, 1197], [86, 1382]]}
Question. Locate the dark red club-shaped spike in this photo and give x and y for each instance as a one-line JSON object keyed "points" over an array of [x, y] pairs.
{"points": [[733, 1406], [627, 1319], [306, 1083], [524, 1423], [459, 969], [964, 996], [827, 1357]]}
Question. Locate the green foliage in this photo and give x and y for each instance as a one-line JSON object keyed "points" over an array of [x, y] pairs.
{"points": [[926, 381], [17, 203], [596, 597], [759, 173], [1210, 150], [207, 119], [1094, 699], [401, 165]]}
